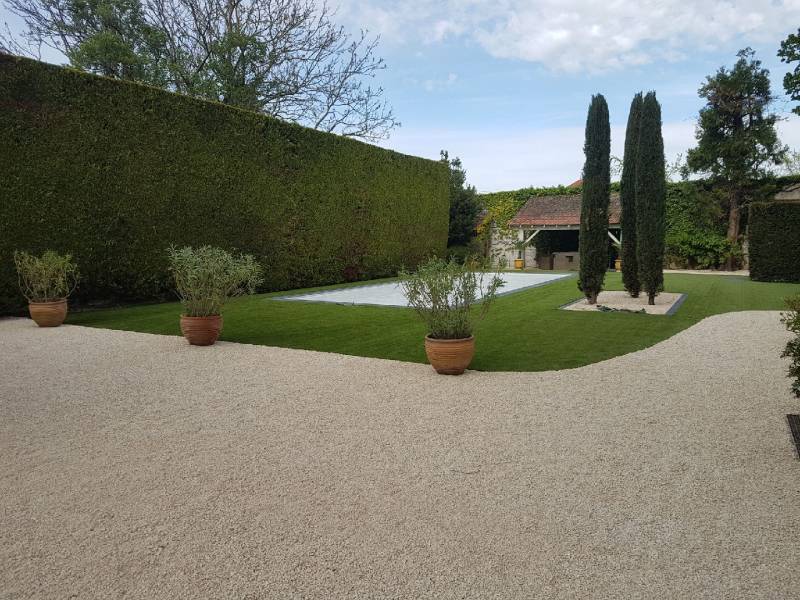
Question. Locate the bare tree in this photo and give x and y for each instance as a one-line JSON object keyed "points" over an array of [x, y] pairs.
{"points": [[286, 58]]}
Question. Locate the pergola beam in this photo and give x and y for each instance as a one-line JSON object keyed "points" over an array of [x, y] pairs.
{"points": [[530, 237]]}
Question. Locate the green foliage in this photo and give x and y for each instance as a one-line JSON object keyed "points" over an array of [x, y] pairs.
{"points": [[792, 351], [736, 133], [775, 241], [113, 39], [696, 218], [736, 136], [285, 58], [45, 278], [502, 206], [464, 206], [593, 244], [630, 266], [463, 254], [523, 331], [699, 249], [206, 277], [651, 190], [114, 172], [790, 53], [443, 294], [695, 236]]}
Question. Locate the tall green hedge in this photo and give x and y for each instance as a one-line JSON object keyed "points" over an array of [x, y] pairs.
{"points": [[775, 241], [114, 172]]}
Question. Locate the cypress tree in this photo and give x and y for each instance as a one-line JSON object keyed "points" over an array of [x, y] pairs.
{"points": [[651, 193], [593, 241], [630, 267]]}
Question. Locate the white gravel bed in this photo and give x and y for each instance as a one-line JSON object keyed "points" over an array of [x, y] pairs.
{"points": [[391, 294], [137, 466], [665, 302], [740, 273]]}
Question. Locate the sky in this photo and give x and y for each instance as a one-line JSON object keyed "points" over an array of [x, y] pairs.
{"points": [[505, 84]]}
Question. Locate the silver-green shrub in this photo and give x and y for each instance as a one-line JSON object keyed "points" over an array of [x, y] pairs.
{"points": [[206, 277], [792, 351], [45, 278], [443, 294]]}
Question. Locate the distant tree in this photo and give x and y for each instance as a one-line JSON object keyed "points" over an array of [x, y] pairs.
{"points": [[630, 267], [651, 195], [593, 241], [464, 205], [790, 53], [107, 37], [736, 133], [285, 58], [617, 165], [790, 164]]}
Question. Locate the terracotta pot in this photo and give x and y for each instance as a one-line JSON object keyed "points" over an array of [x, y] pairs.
{"points": [[450, 357], [201, 331], [519, 263], [48, 314], [618, 265]]}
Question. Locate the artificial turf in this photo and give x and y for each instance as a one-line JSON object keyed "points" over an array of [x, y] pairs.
{"points": [[523, 331]]}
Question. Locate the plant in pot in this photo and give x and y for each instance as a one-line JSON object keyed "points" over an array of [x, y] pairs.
{"points": [[519, 261], [206, 278], [46, 281], [618, 260], [443, 293]]}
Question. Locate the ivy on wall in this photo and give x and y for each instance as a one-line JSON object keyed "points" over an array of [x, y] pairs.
{"points": [[114, 172], [695, 215]]}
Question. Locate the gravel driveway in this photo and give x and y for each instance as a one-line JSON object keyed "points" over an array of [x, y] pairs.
{"points": [[137, 466]]}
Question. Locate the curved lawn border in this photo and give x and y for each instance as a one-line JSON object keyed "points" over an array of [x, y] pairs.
{"points": [[524, 331]]}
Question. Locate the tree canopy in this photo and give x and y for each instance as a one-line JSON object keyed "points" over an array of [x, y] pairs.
{"points": [[790, 53], [286, 58], [651, 196], [630, 267], [593, 240], [736, 135], [464, 205]]}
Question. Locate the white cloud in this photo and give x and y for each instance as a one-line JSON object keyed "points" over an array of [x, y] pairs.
{"points": [[432, 85], [579, 35], [505, 160]]}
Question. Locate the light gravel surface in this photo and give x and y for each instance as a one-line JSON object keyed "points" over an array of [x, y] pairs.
{"points": [[137, 466], [740, 273], [664, 302]]}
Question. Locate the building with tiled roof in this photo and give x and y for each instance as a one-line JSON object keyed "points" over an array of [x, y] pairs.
{"points": [[559, 212], [560, 217]]}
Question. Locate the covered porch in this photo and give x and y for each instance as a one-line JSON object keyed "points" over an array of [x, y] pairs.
{"points": [[556, 247]]}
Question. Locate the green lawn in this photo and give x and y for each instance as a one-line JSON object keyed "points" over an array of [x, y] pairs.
{"points": [[524, 331]]}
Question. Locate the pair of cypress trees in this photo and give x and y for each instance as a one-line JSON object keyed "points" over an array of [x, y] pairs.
{"points": [[643, 197], [643, 192]]}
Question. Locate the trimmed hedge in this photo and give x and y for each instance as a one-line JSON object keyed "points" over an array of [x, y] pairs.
{"points": [[775, 241], [114, 172]]}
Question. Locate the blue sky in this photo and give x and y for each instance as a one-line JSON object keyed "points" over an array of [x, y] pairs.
{"points": [[505, 84]]}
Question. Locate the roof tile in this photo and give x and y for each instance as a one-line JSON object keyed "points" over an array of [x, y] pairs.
{"points": [[565, 210]]}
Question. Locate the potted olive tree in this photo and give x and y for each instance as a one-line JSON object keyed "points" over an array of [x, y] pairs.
{"points": [[46, 281], [443, 294], [205, 278]]}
